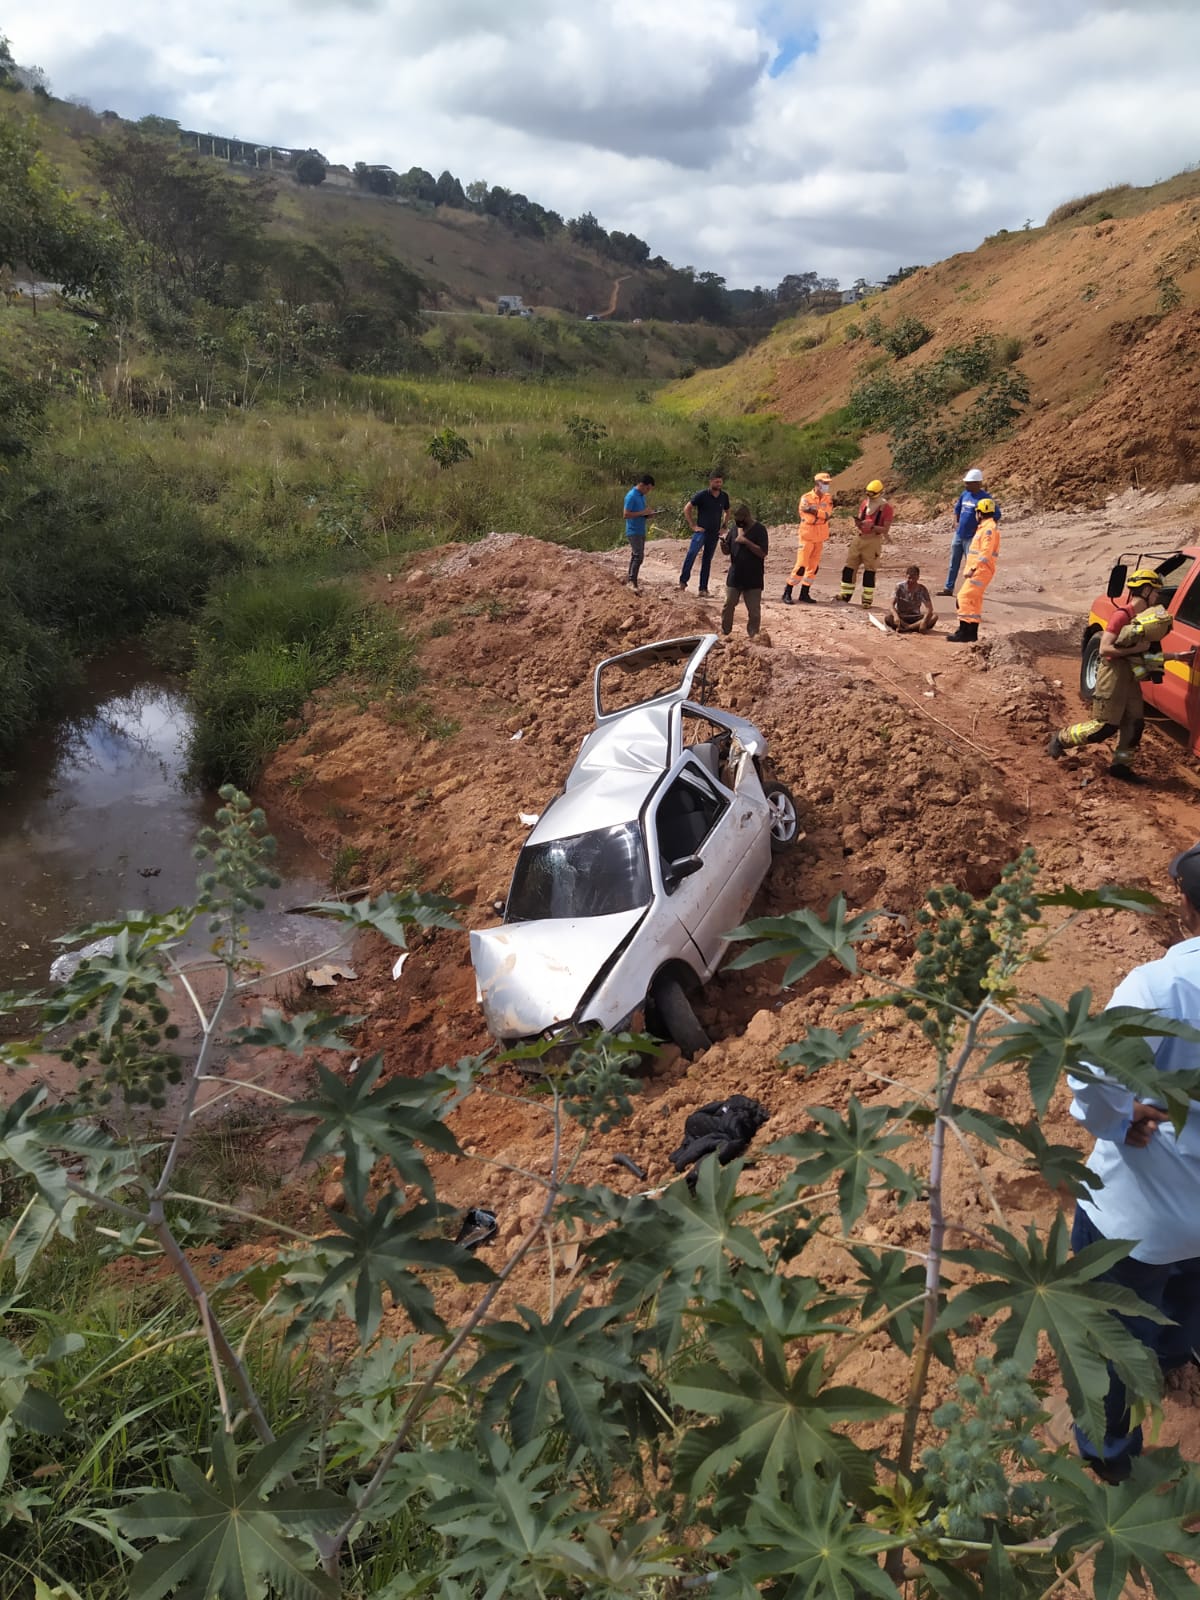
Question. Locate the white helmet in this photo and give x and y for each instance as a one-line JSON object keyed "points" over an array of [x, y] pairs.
{"points": [[974, 476]]}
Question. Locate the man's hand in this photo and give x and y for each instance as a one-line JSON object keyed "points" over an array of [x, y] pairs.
{"points": [[1144, 1126]]}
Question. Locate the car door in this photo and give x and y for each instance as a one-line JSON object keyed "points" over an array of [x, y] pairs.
{"points": [[696, 816], [1178, 695]]}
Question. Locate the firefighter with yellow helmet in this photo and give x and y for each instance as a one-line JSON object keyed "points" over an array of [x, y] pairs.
{"points": [[871, 524], [979, 570], [1127, 654]]}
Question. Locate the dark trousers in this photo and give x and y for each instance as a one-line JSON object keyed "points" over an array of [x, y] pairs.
{"points": [[753, 599], [637, 552], [1173, 1289], [958, 549], [700, 541]]}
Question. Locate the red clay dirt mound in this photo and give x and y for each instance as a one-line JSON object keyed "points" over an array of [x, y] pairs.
{"points": [[886, 806], [892, 801]]}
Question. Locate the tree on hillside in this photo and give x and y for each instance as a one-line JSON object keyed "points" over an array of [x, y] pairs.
{"points": [[159, 128], [449, 192], [586, 230], [417, 184], [628, 248], [477, 192], [309, 168], [303, 273], [197, 232], [375, 179], [42, 230], [8, 67], [378, 302]]}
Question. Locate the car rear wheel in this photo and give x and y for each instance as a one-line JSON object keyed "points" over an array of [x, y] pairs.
{"points": [[785, 821], [1089, 666], [677, 1017]]}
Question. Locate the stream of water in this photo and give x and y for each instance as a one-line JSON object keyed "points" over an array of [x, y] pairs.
{"points": [[100, 818]]}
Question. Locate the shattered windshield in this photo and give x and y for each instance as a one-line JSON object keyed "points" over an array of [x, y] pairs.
{"points": [[586, 875]]}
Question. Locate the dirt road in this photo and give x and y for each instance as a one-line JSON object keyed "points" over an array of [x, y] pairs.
{"points": [[914, 761]]}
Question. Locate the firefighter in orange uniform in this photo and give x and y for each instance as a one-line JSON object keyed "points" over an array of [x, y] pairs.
{"points": [[980, 570], [815, 509]]}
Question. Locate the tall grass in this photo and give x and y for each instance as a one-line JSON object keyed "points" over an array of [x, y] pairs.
{"points": [[118, 521], [264, 645]]}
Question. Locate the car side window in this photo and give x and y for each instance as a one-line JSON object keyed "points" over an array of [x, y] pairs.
{"points": [[687, 813], [1189, 606]]}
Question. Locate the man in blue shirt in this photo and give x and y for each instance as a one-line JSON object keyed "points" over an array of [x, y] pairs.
{"points": [[1151, 1178], [636, 512], [707, 515], [965, 522]]}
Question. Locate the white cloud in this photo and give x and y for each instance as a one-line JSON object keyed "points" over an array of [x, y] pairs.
{"points": [[894, 131]]}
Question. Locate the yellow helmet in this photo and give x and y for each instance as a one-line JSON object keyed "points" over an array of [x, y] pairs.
{"points": [[874, 487], [986, 507], [1144, 578]]}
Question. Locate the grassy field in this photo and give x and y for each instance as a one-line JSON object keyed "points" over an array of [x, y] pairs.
{"points": [[170, 517]]}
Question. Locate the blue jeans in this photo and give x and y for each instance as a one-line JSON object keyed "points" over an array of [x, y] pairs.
{"points": [[700, 541], [958, 550], [1174, 1289]]}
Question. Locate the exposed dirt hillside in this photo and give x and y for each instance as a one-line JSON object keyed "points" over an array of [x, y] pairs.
{"points": [[914, 762], [1114, 382]]}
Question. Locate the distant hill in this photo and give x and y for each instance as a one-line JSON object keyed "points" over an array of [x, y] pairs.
{"points": [[1098, 310]]}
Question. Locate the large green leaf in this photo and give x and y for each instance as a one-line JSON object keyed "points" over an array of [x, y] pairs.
{"points": [[510, 1528], [382, 1249], [234, 1535], [308, 1030], [770, 1420], [103, 981], [1108, 897], [803, 940], [391, 914], [363, 1123], [1045, 1289], [1054, 1039], [854, 1150], [1137, 1523], [682, 1247], [890, 1280], [807, 1535], [563, 1369], [821, 1047], [24, 1143]]}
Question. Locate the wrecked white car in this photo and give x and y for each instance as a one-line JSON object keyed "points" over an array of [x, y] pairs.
{"points": [[653, 851]]}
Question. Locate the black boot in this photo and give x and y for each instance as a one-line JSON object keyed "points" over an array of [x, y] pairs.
{"points": [[787, 595], [804, 598], [965, 633]]}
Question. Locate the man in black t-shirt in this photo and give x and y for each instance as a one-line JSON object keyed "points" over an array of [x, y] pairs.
{"points": [[748, 558], [707, 514]]}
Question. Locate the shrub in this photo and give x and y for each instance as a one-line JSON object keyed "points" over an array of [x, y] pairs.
{"points": [[448, 448], [905, 336]]}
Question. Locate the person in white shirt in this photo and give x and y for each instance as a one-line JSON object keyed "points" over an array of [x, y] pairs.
{"points": [[1151, 1177]]}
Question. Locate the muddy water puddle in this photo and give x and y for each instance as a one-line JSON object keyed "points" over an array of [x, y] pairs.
{"points": [[101, 818]]}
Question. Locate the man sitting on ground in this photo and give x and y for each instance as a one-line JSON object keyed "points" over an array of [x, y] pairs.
{"points": [[912, 609]]}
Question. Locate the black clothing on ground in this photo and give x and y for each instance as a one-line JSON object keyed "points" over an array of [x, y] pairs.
{"points": [[724, 1126]]}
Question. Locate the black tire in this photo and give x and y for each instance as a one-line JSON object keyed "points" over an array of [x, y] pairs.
{"points": [[1089, 666], [785, 819], [677, 1017]]}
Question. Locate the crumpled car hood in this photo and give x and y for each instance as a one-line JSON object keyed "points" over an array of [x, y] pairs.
{"points": [[532, 975]]}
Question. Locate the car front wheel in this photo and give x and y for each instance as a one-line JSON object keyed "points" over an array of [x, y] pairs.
{"points": [[785, 821], [1089, 667], [677, 1017]]}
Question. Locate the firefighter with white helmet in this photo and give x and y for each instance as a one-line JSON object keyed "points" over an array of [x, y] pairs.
{"points": [[965, 522], [871, 524], [1127, 654]]}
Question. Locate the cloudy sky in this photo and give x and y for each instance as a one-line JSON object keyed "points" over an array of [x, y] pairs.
{"points": [[751, 137]]}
